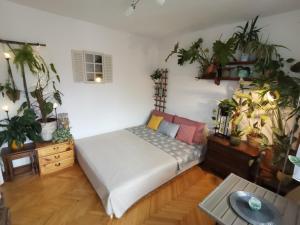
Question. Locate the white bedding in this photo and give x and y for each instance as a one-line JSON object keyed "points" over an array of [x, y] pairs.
{"points": [[123, 168]]}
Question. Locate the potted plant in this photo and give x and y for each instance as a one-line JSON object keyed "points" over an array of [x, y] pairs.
{"points": [[45, 91], [157, 75], [244, 37], [62, 135], [18, 129], [236, 137], [10, 91], [225, 107], [195, 53]]}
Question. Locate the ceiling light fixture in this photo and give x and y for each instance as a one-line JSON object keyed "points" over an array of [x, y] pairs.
{"points": [[132, 7]]}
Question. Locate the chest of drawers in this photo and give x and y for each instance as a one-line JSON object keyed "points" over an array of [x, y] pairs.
{"points": [[54, 157]]}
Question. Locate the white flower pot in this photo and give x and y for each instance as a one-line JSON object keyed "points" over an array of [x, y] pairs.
{"points": [[48, 129]]}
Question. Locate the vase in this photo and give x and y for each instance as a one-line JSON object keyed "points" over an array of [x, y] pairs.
{"points": [[48, 129], [235, 141]]}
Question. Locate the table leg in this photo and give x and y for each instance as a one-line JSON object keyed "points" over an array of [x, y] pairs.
{"points": [[11, 169]]}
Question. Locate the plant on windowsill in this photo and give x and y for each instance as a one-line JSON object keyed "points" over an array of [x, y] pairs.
{"points": [[18, 129]]}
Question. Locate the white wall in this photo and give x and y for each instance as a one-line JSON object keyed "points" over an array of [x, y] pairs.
{"points": [[196, 98], [92, 108]]}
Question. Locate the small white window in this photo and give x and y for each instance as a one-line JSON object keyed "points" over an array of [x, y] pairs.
{"points": [[91, 67]]}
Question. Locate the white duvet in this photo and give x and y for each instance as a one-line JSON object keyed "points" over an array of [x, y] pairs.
{"points": [[123, 168]]}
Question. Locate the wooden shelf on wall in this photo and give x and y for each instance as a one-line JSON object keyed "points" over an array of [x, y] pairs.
{"points": [[241, 63], [212, 77]]}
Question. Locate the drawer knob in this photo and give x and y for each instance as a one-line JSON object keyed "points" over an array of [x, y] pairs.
{"points": [[57, 156], [57, 164]]}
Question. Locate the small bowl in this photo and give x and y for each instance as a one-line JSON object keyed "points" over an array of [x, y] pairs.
{"points": [[254, 203]]}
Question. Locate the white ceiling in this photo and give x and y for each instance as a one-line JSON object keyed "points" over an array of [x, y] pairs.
{"points": [[158, 21]]}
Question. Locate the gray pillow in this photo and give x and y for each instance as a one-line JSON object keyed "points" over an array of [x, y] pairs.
{"points": [[169, 129]]}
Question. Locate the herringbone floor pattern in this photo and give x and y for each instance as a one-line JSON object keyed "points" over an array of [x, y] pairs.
{"points": [[67, 198]]}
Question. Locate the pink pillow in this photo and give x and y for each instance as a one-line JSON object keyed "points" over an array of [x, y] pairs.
{"points": [[168, 117], [186, 133], [199, 133]]}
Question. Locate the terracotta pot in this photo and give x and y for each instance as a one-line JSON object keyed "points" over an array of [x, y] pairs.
{"points": [[210, 69], [254, 141], [235, 141], [285, 179], [16, 147]]}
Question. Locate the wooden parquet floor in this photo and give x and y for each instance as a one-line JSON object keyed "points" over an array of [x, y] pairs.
{"points": [[67, 198]]}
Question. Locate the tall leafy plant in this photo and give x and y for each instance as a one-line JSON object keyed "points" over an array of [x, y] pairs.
{"points": [[195, 53], [246, 34], [42, 93], [19, 128]]}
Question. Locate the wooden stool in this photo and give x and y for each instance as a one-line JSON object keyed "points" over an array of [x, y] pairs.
{"points": [[9, 155]]}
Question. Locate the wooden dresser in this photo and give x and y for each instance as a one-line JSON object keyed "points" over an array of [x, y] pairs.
{"points": [[223, 158], [54, 157]]}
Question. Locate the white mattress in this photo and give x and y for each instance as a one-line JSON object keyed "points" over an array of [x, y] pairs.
{"points": [[123, 168]]}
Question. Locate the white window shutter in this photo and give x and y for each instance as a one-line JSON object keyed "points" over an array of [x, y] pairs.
{"points": [[107, 68], [78, 65]]}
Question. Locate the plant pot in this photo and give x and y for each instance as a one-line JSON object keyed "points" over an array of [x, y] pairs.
{"points": [[48, 129], [254, 141], [235, 141], [285, 179], [16, 147], [244, 57], [252, 57], [210, 69]]}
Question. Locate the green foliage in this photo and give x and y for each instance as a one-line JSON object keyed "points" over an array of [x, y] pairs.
{"points": [[26, 56], [19, 128], [62, 135], [194, 53], [246, 34], [8, 90], [224, 51], [157, 74]]}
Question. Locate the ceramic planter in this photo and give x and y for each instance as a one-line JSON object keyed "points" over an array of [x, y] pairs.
{"points": [[48, 129], [235, 141], [244, 57]]}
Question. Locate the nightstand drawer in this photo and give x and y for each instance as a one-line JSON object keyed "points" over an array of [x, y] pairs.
{"points": [[56, 166], [56, 157], [53, 149]]}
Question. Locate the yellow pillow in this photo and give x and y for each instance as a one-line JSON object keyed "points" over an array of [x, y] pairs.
{"points": [[154, 122]]}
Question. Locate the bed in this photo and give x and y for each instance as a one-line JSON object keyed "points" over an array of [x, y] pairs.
{"points": [[125, 165]]}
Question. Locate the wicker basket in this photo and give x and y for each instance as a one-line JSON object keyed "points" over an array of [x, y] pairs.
{"points": [[254, 141]]}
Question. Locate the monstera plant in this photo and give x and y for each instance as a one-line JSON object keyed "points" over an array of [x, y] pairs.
{"points": [[18, 129]]}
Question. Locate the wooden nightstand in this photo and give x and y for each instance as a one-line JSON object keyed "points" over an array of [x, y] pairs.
{"points": [[54, 157], [223, 158]]}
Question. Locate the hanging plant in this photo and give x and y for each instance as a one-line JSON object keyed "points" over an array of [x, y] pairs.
{"points": [[9, 90]]}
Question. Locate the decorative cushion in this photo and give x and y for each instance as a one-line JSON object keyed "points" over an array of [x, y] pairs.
{"points": [[169, 129], [168, 117], [199, 136], [154, 122], [186, 133]]}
